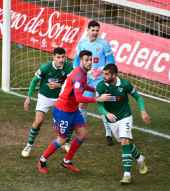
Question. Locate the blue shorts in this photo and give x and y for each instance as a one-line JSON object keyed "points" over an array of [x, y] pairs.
{"points": [[65, 122]]}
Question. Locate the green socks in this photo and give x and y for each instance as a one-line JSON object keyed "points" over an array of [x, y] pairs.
{"points": [[32, 135]]}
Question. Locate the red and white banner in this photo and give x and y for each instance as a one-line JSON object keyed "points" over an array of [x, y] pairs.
{"points": [[162, 4], [136, 53], [39, 27], [140, 54]]}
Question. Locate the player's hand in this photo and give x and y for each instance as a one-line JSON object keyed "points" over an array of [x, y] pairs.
{"points": [[111, 117], [145, 117], [27, 103], [104, 97], [54, 85]]}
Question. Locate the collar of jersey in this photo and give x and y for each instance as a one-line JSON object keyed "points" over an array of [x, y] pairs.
{"points": [[54, 66], [118, 82], [92, 41]]}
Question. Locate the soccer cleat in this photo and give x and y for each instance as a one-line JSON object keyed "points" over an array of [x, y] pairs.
{"points": [[126, 180], [69, 165], [143, 169], [109, 140], [66, 147], [26, 151], [42, 167]]}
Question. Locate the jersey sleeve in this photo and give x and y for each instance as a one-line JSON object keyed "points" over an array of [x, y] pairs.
{"points": [[108, 53], [134, 93], [32, 85], [79, 90], [76, 61], [41, 71], [101, 108]]}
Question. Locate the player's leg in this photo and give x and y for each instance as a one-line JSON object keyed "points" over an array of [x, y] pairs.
{"points": [[140, 159], [126, 161], [81, 135], [108, 131], [33, 133], [83, 109], [62, 124], [125, 135], [42, 107], [67, 144], [51, 149], [136, 154]]}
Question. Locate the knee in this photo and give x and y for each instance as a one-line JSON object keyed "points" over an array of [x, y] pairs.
{"points": [[124, 141], [82, 136]]}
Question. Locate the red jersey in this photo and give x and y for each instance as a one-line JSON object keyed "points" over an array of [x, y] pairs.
{"points": [[72, 91]]}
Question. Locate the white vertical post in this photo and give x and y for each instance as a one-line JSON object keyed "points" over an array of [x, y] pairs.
{"points": [[6, 40]]}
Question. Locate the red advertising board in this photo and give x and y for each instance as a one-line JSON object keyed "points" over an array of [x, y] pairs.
{"points": [[39, 27], [162, 4], [136, 53], [139, 53]]}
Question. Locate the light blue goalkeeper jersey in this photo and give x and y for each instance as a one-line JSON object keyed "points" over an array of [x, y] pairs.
{"points": [[102, 55]]}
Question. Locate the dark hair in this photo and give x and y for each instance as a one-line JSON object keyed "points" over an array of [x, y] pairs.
{"points": [[85, 53], [59, 50], [93, 23], [112, 68]]}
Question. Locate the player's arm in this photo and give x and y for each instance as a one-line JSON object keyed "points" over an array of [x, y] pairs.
{"points": [[31, 90], [102, 110], [109, 54], [37, 77], [76, 61], [140, 102], [89, 88], [78, 91]]}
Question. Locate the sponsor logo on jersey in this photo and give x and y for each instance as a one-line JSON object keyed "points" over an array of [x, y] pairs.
{"points": [[120, 89], [77, 85]]}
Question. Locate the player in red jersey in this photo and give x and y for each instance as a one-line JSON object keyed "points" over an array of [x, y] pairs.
{"points": [[67, 116]]}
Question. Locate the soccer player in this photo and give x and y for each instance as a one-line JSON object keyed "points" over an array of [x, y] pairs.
{"points": [[119, 116], [102, 55], [67, 116], [51, 76]]}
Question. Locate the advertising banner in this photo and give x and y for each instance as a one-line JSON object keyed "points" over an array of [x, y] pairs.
{"points": [[44, 27], [162, 4], [139, 53]]}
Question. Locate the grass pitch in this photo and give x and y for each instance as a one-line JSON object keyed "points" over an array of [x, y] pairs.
{"points": [[100, 164]]}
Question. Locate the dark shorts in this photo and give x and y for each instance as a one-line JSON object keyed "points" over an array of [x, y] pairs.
{"points": [[65, 122]]}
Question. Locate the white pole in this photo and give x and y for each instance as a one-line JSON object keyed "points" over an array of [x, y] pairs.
{"points": [[6, 40]]}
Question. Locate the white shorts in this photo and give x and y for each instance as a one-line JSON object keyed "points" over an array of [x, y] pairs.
{"points": [[122, 128], [44, 103]]}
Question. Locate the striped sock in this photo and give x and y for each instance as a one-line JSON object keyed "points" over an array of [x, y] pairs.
{"points": [[32, 135], [126, 158], [75, 144], [134, 151]]}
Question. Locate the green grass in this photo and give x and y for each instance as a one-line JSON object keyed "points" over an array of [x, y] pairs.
{"points": [[100, 164]]}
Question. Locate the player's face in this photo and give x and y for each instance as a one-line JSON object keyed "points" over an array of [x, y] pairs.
{"points": [[108, 77], [86, 62], [93, 33], [59, 60]]}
